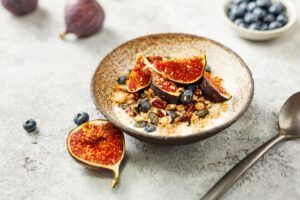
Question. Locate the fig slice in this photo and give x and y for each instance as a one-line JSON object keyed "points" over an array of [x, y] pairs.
{"points": [[180, 70], [140, 76], [98, 144], [165, 89], [212, 89]]}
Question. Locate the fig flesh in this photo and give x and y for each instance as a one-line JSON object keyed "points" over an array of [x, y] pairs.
{"points": [[139, 77], [20, 7], [98, 144], [165, 89], [181, 70], [212, 89], [83, 17]]}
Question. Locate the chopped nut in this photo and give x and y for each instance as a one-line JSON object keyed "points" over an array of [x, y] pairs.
{"points": [[199, 106], [171, 107], [120, 97], [158, 103], [180, 107]]}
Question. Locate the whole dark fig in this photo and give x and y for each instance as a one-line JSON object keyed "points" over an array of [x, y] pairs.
{"points": [[20, 7], [83, 17]]}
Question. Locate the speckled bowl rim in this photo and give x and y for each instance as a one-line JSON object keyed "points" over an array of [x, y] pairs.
{"points": [[174, 139]]}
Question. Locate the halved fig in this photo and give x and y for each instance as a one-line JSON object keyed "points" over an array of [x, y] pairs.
{"points": [[165, 89], [140, 76], [212, 89], [180, 70], [98, 144]]}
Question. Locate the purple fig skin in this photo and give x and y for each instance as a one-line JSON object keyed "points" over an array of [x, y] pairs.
{"points": [[211, 93], [83, 17], [20, 7]]}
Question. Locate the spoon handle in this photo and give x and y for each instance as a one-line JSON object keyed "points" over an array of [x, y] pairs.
{"points": [[238, 170]]}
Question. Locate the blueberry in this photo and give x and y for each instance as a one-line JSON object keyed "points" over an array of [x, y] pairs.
{"points": [[191, 87], [153, 118], [144, 105], [276, 8], [243, 25], [172, 115], [269, 18], [243, 7], [81, 118], [263, 3], [186, 97], [275, 25], [264, 27], [30, 125], [251, 6], [282, 18], [122, 80], [254, 26], [150, 128], [235, 13], [260, 13], [249, 18], [238, 21], [208, 68], [239, 1]]}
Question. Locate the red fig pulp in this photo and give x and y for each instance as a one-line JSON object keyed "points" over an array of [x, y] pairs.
{"points": [[83, 17], [20, 7]]}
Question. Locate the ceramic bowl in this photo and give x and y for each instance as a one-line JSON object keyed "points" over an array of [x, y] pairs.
{"points": [[258, 35], [224, 62]]}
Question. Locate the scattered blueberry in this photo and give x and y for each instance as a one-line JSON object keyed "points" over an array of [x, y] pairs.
{"points": [[208, 68], [263, 3], [282, 19], [144, 105], [276, 8], [122, 80], [81, 118], [275, 25], [249, 18], [264, 27], [191, 87], [260, 13], [172, 114], [269, 18], [186, 97], [30, 125], [254, 26], [150, 128], [251, 6]]}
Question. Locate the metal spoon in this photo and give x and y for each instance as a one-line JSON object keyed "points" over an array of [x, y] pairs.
{"points": [[289, 128]]}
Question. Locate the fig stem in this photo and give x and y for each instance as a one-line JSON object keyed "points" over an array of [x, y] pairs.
{"points": [[62, 35], [116, 177]]}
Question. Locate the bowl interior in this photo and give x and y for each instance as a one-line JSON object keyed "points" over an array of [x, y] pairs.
{"points": [[224, 62]]}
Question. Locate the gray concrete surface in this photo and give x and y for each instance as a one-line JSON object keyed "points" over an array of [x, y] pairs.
{"points": [[48, 79]]}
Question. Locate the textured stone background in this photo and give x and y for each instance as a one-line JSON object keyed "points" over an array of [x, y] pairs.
{"points": [[45, 78]]}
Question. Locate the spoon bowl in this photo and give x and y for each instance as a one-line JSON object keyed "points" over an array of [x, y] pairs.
{"points": [[289, 125], [289, 117]]}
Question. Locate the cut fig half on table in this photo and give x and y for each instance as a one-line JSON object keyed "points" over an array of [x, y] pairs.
{"points": [[180, 70], [98, 144]]}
